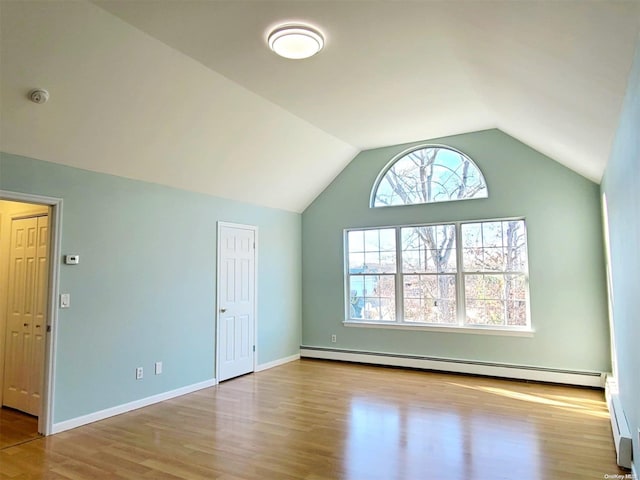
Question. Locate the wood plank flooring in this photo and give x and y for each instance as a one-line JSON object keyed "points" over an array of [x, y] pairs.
{"points": [[320, 420], [16, 427]]}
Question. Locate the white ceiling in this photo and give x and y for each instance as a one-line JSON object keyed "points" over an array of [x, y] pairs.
{"points": [[185, 93]]}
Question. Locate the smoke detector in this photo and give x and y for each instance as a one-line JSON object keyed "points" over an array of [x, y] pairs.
{"points": [[39, 95]]}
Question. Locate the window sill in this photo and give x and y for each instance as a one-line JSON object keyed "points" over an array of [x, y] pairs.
{"points": [[507, 332]]}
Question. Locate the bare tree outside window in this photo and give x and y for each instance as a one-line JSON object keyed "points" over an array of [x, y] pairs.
{"points": [[417, 275], [495, 266], [490, 268], [429, 267], [430, 174], [372, 268]]}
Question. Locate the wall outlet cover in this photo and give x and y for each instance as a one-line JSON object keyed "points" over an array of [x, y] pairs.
{"points": [[72, 259]]}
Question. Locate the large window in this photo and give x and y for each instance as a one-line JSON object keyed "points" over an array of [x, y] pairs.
{"points": [[464, 274], [428, 174], [495, 273], [372, 271], [429, 274]]}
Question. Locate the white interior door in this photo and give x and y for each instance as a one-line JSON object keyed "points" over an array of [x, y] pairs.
{"points": [[236, 300], [26, 315], [39, 323]]}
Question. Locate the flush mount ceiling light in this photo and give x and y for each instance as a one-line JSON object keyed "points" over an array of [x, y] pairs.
{"points": [[296, 41]]}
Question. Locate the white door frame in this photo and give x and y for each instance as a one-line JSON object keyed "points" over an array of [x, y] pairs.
{"points": [[45, 420], [255, 290]]}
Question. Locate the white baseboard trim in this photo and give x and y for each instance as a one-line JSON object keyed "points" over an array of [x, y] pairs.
{"points": [[127, 407], [275, 363], [518, 372]]}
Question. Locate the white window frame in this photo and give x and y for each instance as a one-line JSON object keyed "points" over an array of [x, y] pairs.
{"points": [[460, 274], [405, 153]]}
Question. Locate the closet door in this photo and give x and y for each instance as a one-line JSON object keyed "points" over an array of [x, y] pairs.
{"points": [[39, 332], [26, 314]]}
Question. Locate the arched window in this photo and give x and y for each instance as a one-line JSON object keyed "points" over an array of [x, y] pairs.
{"points": [[426, 174]]}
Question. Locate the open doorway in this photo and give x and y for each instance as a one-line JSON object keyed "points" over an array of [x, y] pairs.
{"points": [[28, 288], [24, 261]]}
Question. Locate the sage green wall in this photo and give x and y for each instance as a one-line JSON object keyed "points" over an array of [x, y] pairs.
{"points": [[145, 286], [567, 280], [621, 186]]}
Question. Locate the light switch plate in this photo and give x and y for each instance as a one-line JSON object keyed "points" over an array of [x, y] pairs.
{"points": [[65, 300]]}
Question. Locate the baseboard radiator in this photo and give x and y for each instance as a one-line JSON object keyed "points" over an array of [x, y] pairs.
{"points": [[518, 372], [619, 425]]}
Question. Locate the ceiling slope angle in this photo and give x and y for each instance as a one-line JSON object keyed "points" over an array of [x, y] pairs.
{"points": [[123, 103], [550, 73]]}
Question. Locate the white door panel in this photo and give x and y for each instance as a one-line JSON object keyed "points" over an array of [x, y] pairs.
{"points": [[236, 301], [36, 380], [26, 314]]}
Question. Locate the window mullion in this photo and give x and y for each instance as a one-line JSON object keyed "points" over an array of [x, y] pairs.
{"points": [[347, 284], [399, 278], [505, 303], [461, 310]]}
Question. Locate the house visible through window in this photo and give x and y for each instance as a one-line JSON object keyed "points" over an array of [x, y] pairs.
{"points": [[372, 271], [495, 272], [461, 274], [429, 271], [454, 274]]}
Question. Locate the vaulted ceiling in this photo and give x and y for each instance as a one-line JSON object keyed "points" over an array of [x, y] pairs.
{"points": [[186, 93]]}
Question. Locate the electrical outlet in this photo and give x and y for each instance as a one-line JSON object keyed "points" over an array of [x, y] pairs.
{"points": [[334, 338], [139, 373], [158, 368]]}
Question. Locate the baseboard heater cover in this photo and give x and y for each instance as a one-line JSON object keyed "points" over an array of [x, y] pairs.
{"points": [[619, 425], [519, 372]]}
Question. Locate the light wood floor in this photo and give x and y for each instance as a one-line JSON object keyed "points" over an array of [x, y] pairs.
{"points": [[16, 427], [319, 420]]}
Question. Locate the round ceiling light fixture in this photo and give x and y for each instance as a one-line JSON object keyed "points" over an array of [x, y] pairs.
{"points": [[296, 41]]}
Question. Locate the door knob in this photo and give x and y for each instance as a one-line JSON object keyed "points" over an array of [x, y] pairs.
{"points": [[222, 310], [25, 324]]}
